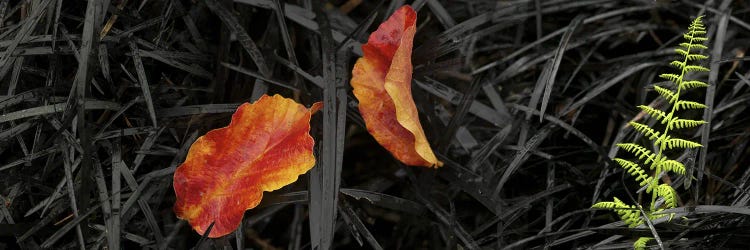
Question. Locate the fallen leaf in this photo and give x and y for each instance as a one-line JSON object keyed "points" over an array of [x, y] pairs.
{"points": [[266, 146], [381, 80]]}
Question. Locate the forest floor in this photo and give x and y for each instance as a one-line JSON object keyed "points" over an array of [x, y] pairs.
{"points": [[523, 100]]}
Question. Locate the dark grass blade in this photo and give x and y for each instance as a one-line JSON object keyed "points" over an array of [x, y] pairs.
{"points": [[143, 81], [569, 128], [115, 226], [481, 155], [117, 115], [361, 28], [541, 85], [717, 45], [326, 177], [395, 5], [124, 132], [596, 91], [497, 102], [121, 170], [56, 108], [15, 75], [5, 214], [549, 80], [67, 227], [509, 214], [56, 211], [103, 55], [189, 68], [135, 28], [27, 96], [444, 217], [204, 237], [467, 99], [146, 145], [6, 58], [285, 35], [561, 31], [317, 80], [441, 13], [231, 22], [190, 25], [384, 200], [138, 239], [446, 93], [702, 209], [83, 77], [305, 18], [197, 110], [147, 178], [258, 76], [523, 155], [72, 196], [111, 232], [14, 131], [359, 230], [471, 183]]}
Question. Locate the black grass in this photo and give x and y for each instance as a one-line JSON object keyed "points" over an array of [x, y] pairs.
{"points": [[522, 100]]}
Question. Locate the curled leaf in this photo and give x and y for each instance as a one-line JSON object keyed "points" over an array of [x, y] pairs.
{"points": [[381, 81], [266, 146]]}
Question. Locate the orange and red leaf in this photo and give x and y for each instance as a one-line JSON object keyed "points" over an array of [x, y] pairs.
{"points": [[266, 146], [381, 81]]}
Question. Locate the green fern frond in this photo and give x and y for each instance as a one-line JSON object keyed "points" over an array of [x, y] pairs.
{"points": [[639, 151], [669, 194], [682, 105], [667, 94], [673, 166], [641, 243], [677, 123], [692, 84], [681, 143], [655, 113], [690, 51]]}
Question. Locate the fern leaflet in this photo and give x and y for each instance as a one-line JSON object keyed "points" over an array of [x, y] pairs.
{"points": [[645, 130], [677, 123], [639, 151], [641, 242], [655, 113], [667, 94], [673, 166], [682, 104], [681, 143]]}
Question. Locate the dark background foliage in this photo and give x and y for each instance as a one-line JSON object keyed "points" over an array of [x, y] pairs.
{"points": [[100, 100]]}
